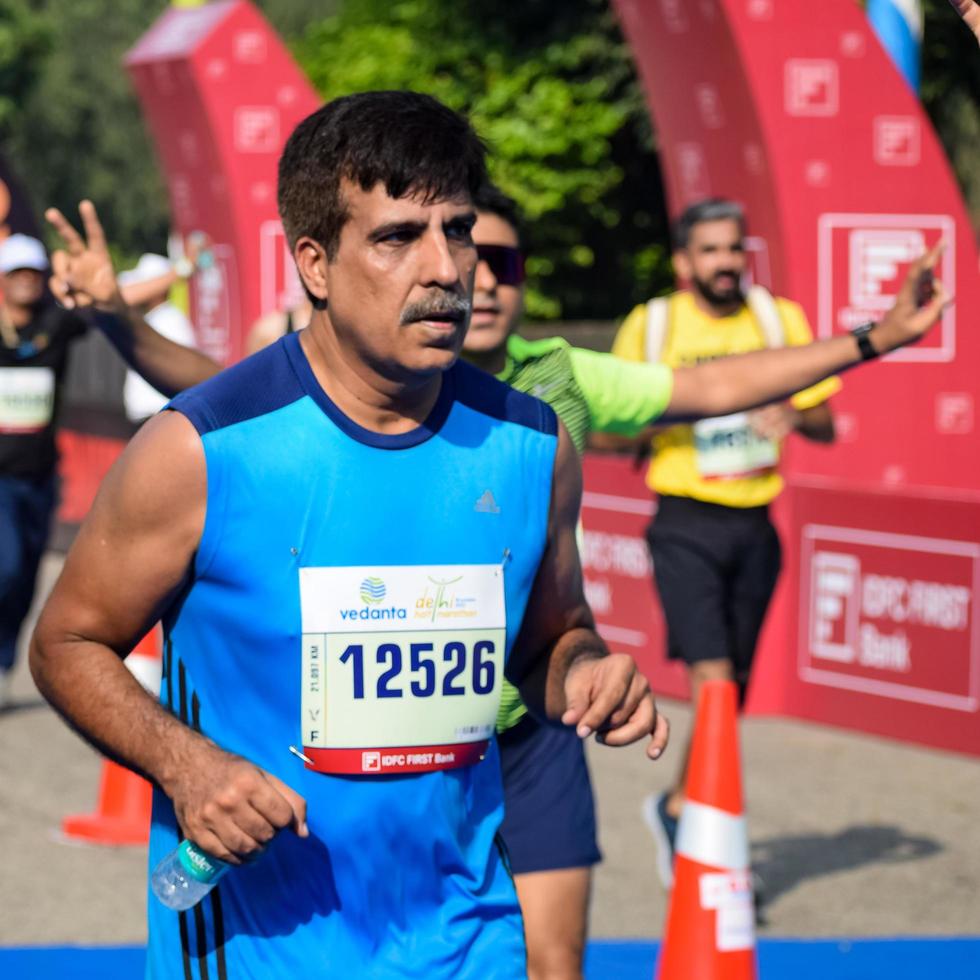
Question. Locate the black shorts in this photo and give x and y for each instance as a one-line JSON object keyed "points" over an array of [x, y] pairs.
{"points": [[549, 816], [715, 569]]}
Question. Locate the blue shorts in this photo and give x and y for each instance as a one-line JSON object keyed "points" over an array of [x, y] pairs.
{"points": [[549, 815]]}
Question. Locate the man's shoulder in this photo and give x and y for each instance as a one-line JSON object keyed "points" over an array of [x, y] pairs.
{"points": [[256, 386], [483, 393]]}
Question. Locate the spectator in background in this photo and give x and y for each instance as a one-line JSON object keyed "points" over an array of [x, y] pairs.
{"points": [[35, 337], [147, 287], [716, 554]]}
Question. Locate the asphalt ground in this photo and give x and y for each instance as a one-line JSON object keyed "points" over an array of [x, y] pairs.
{"points": [[854, 836]]}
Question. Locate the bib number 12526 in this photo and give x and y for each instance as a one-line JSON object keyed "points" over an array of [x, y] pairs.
{"points": [[402, 666]]}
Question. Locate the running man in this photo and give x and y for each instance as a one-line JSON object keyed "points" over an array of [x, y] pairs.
{"points": [[342, 535], [549, 824]]}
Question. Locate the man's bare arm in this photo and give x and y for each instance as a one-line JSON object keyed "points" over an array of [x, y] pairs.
{"points": [[559, 663], [83, 278], [132, 555], [733, 384]]}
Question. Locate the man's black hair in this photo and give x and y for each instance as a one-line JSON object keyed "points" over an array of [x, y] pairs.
{"points": [[409, 143], [710, 209], [492, 200]]}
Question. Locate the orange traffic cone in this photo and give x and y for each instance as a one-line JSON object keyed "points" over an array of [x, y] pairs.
{"points": [[122, 814], [710, 932]]}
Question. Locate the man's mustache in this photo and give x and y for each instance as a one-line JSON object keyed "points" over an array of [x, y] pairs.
{"points": [[437, 306]]}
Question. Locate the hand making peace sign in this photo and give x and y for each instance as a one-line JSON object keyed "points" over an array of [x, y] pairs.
{"points": [[82, 273]]}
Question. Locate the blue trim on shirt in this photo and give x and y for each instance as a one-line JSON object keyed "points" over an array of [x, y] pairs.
{"points": [[256, 386]]}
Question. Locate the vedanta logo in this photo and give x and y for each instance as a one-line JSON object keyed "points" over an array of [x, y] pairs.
{"points": [[372, 590]]}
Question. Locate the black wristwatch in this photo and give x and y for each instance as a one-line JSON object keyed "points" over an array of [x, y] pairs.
{"points": [[865, 346]]}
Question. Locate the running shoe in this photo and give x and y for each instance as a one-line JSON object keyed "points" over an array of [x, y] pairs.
{"points": [[664, 829]]}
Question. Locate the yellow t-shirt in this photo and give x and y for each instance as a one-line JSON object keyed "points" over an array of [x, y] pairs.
{"points": [[679, 462]]}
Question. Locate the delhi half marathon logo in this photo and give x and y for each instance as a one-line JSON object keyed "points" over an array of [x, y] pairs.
{"points": [[372, 591]]}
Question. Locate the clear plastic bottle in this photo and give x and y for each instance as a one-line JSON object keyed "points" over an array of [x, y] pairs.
{"points": [[185, 876]]}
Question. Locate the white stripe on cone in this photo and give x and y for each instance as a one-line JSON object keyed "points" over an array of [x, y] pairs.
{"points": [[713, 837]]}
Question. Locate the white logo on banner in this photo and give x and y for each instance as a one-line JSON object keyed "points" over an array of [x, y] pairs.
{"points": [[709, 105], [812, 87], [891, 615], [897, 141], [214, 290], [758, 268], [675, 17], [954, 413], [250, 47], [279, 285], [760, 9], [862, 260], [834, 606], [817, 173], [189, 149], [692, 171], [182, 199], [755, 159], [257, 129], [852, 44]]}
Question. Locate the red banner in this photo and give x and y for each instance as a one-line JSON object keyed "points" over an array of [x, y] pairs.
{"points": [[221, 94]]}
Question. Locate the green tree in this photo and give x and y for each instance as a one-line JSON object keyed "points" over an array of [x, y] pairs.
{"points": [[79, 133], [25, 39], [553, 91], [951, 94]]}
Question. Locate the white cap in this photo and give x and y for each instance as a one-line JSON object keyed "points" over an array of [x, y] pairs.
{"points": [[149, 267], [22, 252]]}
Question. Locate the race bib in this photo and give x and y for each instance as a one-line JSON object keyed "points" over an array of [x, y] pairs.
{"points": [[728, 447], [26, 399], [402, 666]]}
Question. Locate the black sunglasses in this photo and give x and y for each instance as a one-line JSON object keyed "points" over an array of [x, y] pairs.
{"points": [[506, 263]]}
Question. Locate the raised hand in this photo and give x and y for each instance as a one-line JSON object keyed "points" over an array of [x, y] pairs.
{"points": [[81, 272], [906, 321], [608, 695], [969, 10]]}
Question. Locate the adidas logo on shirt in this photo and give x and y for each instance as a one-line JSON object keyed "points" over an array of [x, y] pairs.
{"points": [[486, 504]]}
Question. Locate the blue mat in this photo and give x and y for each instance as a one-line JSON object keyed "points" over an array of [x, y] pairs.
{"points": [[779, 959]]}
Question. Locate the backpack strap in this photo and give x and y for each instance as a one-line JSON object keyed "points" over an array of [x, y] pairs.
{"points": [[763, 307], [658, 312]]}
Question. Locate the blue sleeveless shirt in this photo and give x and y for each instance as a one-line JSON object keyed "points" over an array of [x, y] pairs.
{"points": [[315, 527]]}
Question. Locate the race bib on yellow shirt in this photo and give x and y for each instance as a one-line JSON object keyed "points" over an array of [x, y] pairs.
{"points": [[402, 666], [26, 399], [728, 448]]}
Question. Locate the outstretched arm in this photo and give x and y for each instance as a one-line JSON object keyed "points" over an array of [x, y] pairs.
{"points": [[559, 663], [733, 384], [131, 557], [83, 278]]}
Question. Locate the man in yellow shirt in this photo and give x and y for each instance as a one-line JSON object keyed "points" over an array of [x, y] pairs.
{"points": [[716, 554]]}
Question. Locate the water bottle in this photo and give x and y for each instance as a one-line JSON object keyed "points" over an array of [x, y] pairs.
{"points": [[185, 876]]}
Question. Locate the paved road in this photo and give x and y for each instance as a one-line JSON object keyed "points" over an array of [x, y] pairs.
{"points": [[855, 836]]}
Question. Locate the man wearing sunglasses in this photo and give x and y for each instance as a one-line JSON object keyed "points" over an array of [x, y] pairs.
{"points": [[549, 822]]}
